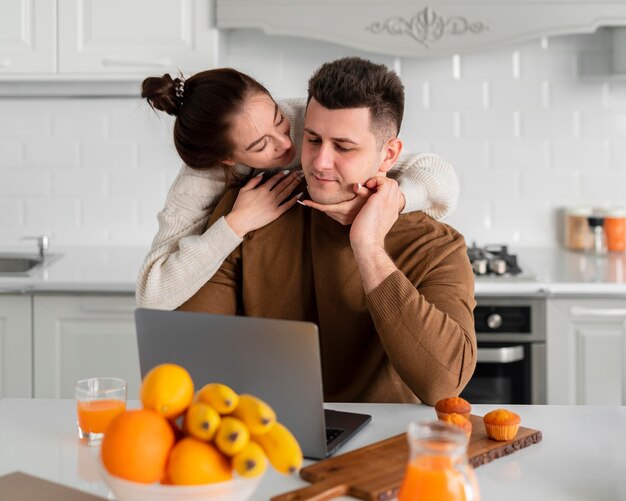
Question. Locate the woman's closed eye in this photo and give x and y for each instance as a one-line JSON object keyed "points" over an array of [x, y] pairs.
{"points": [[262, 147]]}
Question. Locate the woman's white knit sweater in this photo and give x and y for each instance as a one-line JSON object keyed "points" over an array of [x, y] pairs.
{"points": [[185, 254]]}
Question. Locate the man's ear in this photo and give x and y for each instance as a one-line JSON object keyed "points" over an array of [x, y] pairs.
{"points": [[391, 150]]}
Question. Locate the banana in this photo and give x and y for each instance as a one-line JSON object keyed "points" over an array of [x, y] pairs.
{"points": [[201, 421], [258, 416], [232, 436], [251, 461], [282, 449], [220, 396]]}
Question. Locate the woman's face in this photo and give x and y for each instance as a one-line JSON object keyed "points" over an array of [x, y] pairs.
{"points": [[261, 135]]}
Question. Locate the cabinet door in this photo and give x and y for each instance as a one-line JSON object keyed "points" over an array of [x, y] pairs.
{"points": [[587, 351], [77, 337], [140, 37], [15, 347], [27, 36]]}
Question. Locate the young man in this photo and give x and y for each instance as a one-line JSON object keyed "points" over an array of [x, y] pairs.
{"points": [[392, 295]]}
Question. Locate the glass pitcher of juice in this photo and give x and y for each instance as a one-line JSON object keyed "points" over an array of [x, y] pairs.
{"points": [[438, 469]]}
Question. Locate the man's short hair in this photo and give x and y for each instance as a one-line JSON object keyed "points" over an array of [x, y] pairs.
{"points": [[352, 82]]}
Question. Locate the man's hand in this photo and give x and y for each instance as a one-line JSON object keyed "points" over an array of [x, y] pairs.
{"points": [[378, 214], [343, 212]]}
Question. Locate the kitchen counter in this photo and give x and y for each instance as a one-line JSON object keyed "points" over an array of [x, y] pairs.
{"points": [[558, 272], [581, 457], [114, 270], [82, 269]]}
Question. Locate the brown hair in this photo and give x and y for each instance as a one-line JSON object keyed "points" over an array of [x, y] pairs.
{"points": [[352, 82], [204, 105]]}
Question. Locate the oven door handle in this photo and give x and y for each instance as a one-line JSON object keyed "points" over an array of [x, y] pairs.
{"points": [[581, 311], [503, 355]]}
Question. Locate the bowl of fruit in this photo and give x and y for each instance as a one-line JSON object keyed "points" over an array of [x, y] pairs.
{"points": [[184, 444]]}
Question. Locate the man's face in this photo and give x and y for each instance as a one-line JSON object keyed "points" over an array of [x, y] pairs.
{"points": [[338, 151]]}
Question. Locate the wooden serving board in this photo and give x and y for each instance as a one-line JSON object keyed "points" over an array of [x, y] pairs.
{"points": [[374, 472]]}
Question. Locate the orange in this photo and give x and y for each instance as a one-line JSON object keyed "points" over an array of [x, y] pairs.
{"points": [[136, 446], [193, 462], [167, 389]]}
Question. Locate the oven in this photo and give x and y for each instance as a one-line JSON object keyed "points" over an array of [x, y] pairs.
{"points": [[511, 362]]}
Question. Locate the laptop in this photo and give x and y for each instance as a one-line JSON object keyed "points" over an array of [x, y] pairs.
{"points": [[275, 360]]}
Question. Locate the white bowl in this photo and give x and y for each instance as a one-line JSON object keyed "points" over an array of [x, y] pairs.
{"points": [[237, 489]]}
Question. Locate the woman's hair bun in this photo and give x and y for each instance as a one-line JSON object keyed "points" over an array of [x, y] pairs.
{"points": [[163, 93]]}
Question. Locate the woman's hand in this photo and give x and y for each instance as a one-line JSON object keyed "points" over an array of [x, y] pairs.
{"points": [[343, 212], [346, 212], [259, 204]]}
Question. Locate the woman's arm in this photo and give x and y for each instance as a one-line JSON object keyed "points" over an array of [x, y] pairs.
{"points": [[183, 256], [428, 183]]}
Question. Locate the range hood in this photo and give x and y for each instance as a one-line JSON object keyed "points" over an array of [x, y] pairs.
{"points": [[430, 28], [618, 60]]}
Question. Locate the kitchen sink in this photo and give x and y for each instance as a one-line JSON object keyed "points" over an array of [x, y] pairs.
{"points": [[22, 264]]}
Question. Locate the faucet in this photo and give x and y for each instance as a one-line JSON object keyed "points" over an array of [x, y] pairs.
{"points": [[44, 242]]}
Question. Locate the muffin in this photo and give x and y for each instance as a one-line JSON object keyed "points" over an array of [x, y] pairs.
{"points": [[501, 424], [459, 421], [453, 405]]}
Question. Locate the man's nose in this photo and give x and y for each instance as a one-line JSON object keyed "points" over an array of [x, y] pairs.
{"points": [[324, 158]]}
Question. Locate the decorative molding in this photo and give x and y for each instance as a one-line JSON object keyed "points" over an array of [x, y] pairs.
{"points": [[428, 26]]}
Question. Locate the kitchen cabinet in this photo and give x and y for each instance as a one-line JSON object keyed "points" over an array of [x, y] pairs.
{"points": [[28, 41], [434, 28], [113, 39], [15, 346], [80, 336], [586, 351]]}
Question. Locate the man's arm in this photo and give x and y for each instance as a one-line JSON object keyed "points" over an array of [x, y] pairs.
{"points": [[427, 334]]}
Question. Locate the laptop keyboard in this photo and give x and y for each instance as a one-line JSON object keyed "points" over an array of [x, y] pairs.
{"points": [[332, 434]]}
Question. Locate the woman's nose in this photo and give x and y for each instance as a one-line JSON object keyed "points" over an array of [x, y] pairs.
{"points": [[282, 141]]}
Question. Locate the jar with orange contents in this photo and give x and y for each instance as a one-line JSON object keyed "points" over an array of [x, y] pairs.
{"points": [[615, 230], [438, 469]]}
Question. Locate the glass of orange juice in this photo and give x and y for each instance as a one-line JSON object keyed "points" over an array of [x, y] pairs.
{"points": [[438, 469], [98, 401]]}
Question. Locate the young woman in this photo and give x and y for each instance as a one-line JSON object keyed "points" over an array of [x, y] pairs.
{"points": [[229, 130]]}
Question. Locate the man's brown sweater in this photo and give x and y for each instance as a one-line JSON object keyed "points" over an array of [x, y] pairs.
{"points": [[410, 339]]}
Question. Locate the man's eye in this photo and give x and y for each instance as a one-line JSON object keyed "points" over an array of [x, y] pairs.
{"points": [[282, 119], [341, 148], [314, 141]]}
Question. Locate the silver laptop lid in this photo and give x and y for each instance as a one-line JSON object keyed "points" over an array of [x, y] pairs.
{"points": [[276, 360]]}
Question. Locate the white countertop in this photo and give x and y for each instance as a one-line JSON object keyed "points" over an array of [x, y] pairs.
{"points": [[82, 269], [561, 272], [115, 269], [581, 457]]}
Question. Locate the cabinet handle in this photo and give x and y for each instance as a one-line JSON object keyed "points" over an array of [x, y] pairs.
{"points": [[504, 355], [5, 63], [161, 63], [581, 311]]}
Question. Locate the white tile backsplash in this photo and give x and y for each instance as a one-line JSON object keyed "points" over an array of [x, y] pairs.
{"points": [[529, 128]]}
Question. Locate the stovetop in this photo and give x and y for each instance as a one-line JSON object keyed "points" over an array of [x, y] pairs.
{"points": [[495, 261]]}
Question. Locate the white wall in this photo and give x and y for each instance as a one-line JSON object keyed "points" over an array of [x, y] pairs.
{"points": [[528, 128]]}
